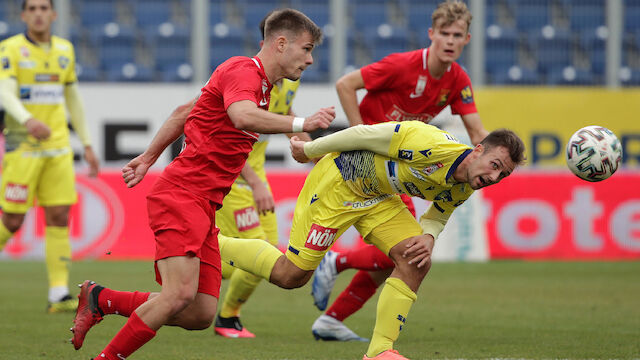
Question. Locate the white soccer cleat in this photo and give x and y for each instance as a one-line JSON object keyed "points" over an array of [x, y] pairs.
{"points": [[324, 279], [330, 329]]}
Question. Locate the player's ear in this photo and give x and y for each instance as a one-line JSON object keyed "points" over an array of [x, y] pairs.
{"points": [[479, 148], [281, 43]]}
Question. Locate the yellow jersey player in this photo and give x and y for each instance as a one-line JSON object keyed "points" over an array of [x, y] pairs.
{"points": [[357, 184], [248, 212], [37, 78]]}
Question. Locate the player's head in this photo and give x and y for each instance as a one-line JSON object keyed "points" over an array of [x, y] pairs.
{"points": [[494, 158], [38, 15], [449, 32], [291, 35]]}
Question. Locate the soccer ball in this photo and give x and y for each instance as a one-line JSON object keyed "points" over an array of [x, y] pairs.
{"points": [[593, 153]]}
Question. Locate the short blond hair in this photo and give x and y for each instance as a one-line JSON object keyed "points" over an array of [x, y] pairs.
{"points": [[450, 12]]}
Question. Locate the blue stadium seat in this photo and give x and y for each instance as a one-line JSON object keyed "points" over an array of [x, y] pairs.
{"points": [[594, 44], [367, 15], [570, 76], [10, 28], [226, 41], [116, 45], [152, 12], [632, 17], [315, 11], [630, 77], [171, 45], [386, 39], [94, 13], [254, 13], [176, 73], [586, 16], [419, 16], [515, 76], [217, 12], [531, 17], [314, 75], [88, 73], [552, 51], [501, 48], [129, 72]]}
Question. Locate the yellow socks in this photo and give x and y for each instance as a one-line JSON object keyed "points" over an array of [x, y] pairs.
{"points": [[394, 304], [5, 235], [58, 255], [241, 287], [253, 255]]}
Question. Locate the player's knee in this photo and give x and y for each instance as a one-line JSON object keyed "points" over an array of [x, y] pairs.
{"points": [[179, 300], [13, 222]]}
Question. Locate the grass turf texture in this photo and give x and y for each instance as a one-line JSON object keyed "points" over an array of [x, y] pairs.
{"points": [[533, 310]]}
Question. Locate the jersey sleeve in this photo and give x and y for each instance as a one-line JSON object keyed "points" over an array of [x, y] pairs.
{"points": [[72, 77], [239, 83], [381, 74], [438, 214], [8, 61], [463, 103], [374, 138]]}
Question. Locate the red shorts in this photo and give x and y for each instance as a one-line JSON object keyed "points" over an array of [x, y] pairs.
{"points": [[184, 224]]}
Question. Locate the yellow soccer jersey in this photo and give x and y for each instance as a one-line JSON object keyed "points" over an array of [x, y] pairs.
{"points": [[281, 101], [419, 161], [41, 76]]}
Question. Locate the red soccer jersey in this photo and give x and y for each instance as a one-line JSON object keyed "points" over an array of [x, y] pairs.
{"points": [[399, 88], [214, 151]]}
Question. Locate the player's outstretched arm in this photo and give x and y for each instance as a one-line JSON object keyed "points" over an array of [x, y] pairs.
{"points": [[347, 87], [246, 115], [136, 169]]}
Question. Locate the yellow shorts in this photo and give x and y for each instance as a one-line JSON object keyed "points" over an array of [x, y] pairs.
{"points": [[239, 217], [45, 175], [326, 208]]}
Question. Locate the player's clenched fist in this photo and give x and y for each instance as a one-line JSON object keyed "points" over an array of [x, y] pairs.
{"points": [[320, 120], [297, 149]]}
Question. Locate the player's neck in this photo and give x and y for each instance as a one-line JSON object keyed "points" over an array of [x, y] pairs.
{"points": [[436, 67], [271, 68], [39, 37]]}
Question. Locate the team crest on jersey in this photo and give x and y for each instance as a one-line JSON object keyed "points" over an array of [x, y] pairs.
{"points": [[320, 238], [466, 95], [24, 51], [432, 168], [426, 153], [420, 86], [5, 62], [63, 61], [405, 154], [16, 193], [444, 96], [246, 218]]}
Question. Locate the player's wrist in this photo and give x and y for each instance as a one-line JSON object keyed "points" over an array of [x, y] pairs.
{"points": [[297, 125]]}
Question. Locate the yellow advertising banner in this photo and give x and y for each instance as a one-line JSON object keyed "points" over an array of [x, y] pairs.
{"points": [[546, 118]]}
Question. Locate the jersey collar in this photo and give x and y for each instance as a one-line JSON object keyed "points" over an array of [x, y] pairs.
{"points": [[35, 43], [456, 163], [258, 63]]}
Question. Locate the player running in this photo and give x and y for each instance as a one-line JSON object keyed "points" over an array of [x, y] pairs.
{"points": [[356, 184], [220, 132], [37, 78]]}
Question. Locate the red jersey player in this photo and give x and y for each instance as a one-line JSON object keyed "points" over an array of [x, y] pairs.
{"points": [[219, 133], [414, 85]]}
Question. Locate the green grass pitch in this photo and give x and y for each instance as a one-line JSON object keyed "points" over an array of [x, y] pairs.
{"points": [[523, 310]]}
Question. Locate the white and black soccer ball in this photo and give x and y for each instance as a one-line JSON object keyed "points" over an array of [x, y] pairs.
{"points": [[594, 153]]}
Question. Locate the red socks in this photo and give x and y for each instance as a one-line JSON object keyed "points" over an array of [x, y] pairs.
{"points": [[120, 302], [360, 289], [366, 258], [130, 338]]}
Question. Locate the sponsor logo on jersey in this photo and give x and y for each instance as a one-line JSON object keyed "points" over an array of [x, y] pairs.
{"points": [[246, 218], [47, 77], [420, 85], [432, 168], [16, 193], [313, 198], [63, 61], [405, 154], [444, 96], [426, 153], [320, 238], [395, 113], [444, 196], [24, 51], [26, 64], [42, 94], [417, 174], [366, 203], [466, 95], [451, 138], [413, 189]]}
